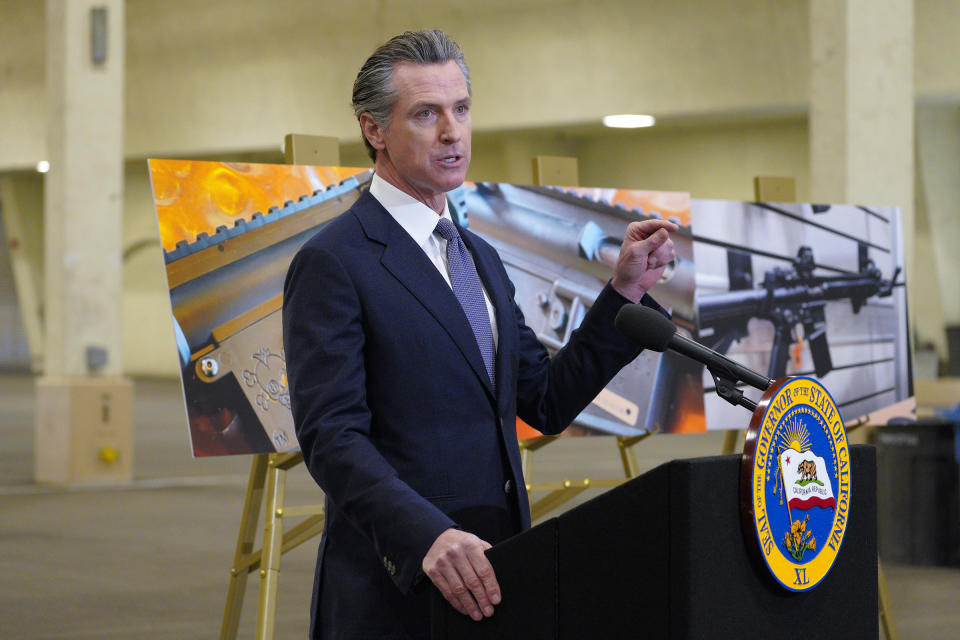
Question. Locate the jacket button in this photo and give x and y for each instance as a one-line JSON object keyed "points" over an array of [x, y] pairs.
{"points": [[508, 487], [389, 566]]}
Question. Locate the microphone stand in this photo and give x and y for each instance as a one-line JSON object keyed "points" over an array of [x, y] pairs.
{"points": [[727, 389], [726, 374]]}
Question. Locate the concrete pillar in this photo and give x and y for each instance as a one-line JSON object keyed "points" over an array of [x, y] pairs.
{"points": [[861, 110], [84, 403], [938, 157], [929, 326], [861, 102]]}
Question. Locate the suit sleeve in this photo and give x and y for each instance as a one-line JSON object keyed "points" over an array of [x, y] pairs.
{"points": [[551, 392], [323, 336]]}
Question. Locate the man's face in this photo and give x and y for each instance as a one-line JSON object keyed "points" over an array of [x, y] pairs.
{"points": [[425, 148]]}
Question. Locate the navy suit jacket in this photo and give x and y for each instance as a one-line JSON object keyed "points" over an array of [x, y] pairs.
{"points": [[397, 419]]}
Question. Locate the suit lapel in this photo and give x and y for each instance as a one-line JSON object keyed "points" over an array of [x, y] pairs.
{"points": [[408, 264]]}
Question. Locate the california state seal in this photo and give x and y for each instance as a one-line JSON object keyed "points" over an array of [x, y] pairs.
{"points": [[795, 472]]}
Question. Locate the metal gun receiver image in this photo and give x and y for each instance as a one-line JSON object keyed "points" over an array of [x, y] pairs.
{"points": [[559, 247], [226, 293]]}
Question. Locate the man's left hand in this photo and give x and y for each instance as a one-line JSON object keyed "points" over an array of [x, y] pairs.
{"points": [[456, 564], [646, 251]]}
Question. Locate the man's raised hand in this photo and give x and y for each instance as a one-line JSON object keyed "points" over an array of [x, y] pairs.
{"points": [[646, 251]]}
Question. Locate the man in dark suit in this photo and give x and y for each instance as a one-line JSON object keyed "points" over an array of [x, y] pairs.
{"points": [[409, 362]]}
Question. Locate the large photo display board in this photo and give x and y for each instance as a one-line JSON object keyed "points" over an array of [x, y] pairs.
{"points": [[802, 289], [229, 231]]}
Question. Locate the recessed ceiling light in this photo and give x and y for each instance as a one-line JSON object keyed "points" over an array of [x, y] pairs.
{"points": [[43, 166], [629, 121]]}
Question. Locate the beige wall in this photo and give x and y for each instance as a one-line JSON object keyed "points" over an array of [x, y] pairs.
{"points": [[710, 160], [716, 161], [231, 75], [224, 75], [228, 78]]}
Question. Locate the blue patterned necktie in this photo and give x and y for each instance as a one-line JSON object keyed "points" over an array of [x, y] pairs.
{"points": [[466, 286]]}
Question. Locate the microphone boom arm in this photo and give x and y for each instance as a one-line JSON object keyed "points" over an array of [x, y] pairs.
{"points": [[727, 389]]}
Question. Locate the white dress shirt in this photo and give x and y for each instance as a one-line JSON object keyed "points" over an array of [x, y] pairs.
{"points": [[419, 220]]}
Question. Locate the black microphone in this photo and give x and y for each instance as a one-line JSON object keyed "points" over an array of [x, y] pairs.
{"points": [[649, 329]]}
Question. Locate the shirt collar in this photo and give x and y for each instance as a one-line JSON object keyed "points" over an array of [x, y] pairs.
{"points": [[416, 218]]}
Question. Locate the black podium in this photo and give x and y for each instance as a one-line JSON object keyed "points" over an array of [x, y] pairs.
{"points": [[665, 556]]}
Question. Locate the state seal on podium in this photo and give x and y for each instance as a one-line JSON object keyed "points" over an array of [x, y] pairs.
{"points": [[795, 482]]}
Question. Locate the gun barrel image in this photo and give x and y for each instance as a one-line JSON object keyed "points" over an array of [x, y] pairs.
{"points": [[559, 250], [576, 231], [718, 308]]}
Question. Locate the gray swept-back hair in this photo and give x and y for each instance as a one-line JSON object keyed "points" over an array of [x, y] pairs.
{"points": [[373, 90]]}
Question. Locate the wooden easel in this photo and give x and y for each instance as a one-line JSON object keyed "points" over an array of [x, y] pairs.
{"points": [[268, 469], [563, 491]]}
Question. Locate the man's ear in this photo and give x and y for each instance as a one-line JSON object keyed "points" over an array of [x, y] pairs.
{"points": [[372, 131]]}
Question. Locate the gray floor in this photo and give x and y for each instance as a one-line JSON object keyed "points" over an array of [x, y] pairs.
{"points": [[151, 560]]}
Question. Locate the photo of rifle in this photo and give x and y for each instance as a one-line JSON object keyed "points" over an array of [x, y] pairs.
{"points": [[787, 297]]}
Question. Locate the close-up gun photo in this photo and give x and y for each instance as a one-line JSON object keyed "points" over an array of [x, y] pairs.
{"points": [[559, 247], [788, 298], [798, 289], [226, 293]]}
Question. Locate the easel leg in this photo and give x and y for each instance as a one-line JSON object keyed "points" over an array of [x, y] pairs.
{"points": [[245, 540], [567, 491], [272, 544], [562, 492], [527, 447], [627, 456], [886, 619], [629, 459], [730, 438]]}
